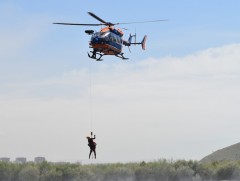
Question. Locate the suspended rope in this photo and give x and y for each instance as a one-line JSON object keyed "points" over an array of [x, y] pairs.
{"points": [[90, 97], [91, 143]]}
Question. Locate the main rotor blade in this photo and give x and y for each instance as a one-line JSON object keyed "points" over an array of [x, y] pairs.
{"points": [[141, 22], [96, 17], [77, 24]]}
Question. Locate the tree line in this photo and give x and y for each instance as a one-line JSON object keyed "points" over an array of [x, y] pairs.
{"points": [[163, 170]]}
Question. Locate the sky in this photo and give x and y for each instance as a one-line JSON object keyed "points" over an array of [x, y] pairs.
{"points": [[178, 99]]}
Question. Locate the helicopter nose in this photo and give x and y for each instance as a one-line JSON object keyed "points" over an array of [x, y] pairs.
{"points": [[95, 39], [98, 40]]}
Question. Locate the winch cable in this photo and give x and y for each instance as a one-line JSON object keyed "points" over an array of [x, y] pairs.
{"points": [[90, 96]]}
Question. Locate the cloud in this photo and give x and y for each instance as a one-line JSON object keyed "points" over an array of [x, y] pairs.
{"points": [[211, 68], [165, 105]]}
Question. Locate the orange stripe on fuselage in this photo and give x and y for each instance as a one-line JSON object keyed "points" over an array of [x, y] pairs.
{"points": [[106, 29], [99, 46], [106, 49]]}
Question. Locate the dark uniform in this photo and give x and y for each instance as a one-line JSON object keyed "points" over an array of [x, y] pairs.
{"points": [[92, 146]]}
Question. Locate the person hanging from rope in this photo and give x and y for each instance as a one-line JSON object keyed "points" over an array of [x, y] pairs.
{"points": [[92, 145]]}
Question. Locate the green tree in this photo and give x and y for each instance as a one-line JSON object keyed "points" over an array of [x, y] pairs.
{"points": [[226, 172], [29, 173], [52, 175], [4, 171]]}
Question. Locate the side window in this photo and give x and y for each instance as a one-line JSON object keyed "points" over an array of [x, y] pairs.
{"points": [[119, 40], [114, 39], [110, 37]]}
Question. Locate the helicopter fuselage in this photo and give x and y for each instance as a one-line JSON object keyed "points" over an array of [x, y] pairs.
{"points": [[108, 41]]}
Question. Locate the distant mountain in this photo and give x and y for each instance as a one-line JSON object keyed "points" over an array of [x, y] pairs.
{"points": [[230, 153]]}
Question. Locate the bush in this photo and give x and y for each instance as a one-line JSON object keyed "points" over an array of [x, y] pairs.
{"points": [[29, 173], [144, 171]]}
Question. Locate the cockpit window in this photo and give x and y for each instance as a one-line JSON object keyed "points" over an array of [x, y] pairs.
{"points": [[100, 34], [104, 34], [95, 35]]}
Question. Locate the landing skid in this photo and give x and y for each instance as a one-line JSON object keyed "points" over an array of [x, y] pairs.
{"points": [[120, 55], [94, 56]]}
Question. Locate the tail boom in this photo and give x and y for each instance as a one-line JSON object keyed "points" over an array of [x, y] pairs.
{"points": [[143, 42]]}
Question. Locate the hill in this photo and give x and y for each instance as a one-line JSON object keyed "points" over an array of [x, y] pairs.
{"points": [[230, 153]]}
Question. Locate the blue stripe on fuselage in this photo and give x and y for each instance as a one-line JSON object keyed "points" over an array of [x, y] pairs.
{"points": [[115, 45]]}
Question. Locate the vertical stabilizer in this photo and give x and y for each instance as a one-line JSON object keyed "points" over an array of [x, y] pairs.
{"points": [[143, 43]]}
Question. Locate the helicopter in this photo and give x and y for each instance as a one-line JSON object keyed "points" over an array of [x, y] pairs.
{"points": [[109, 40]]}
